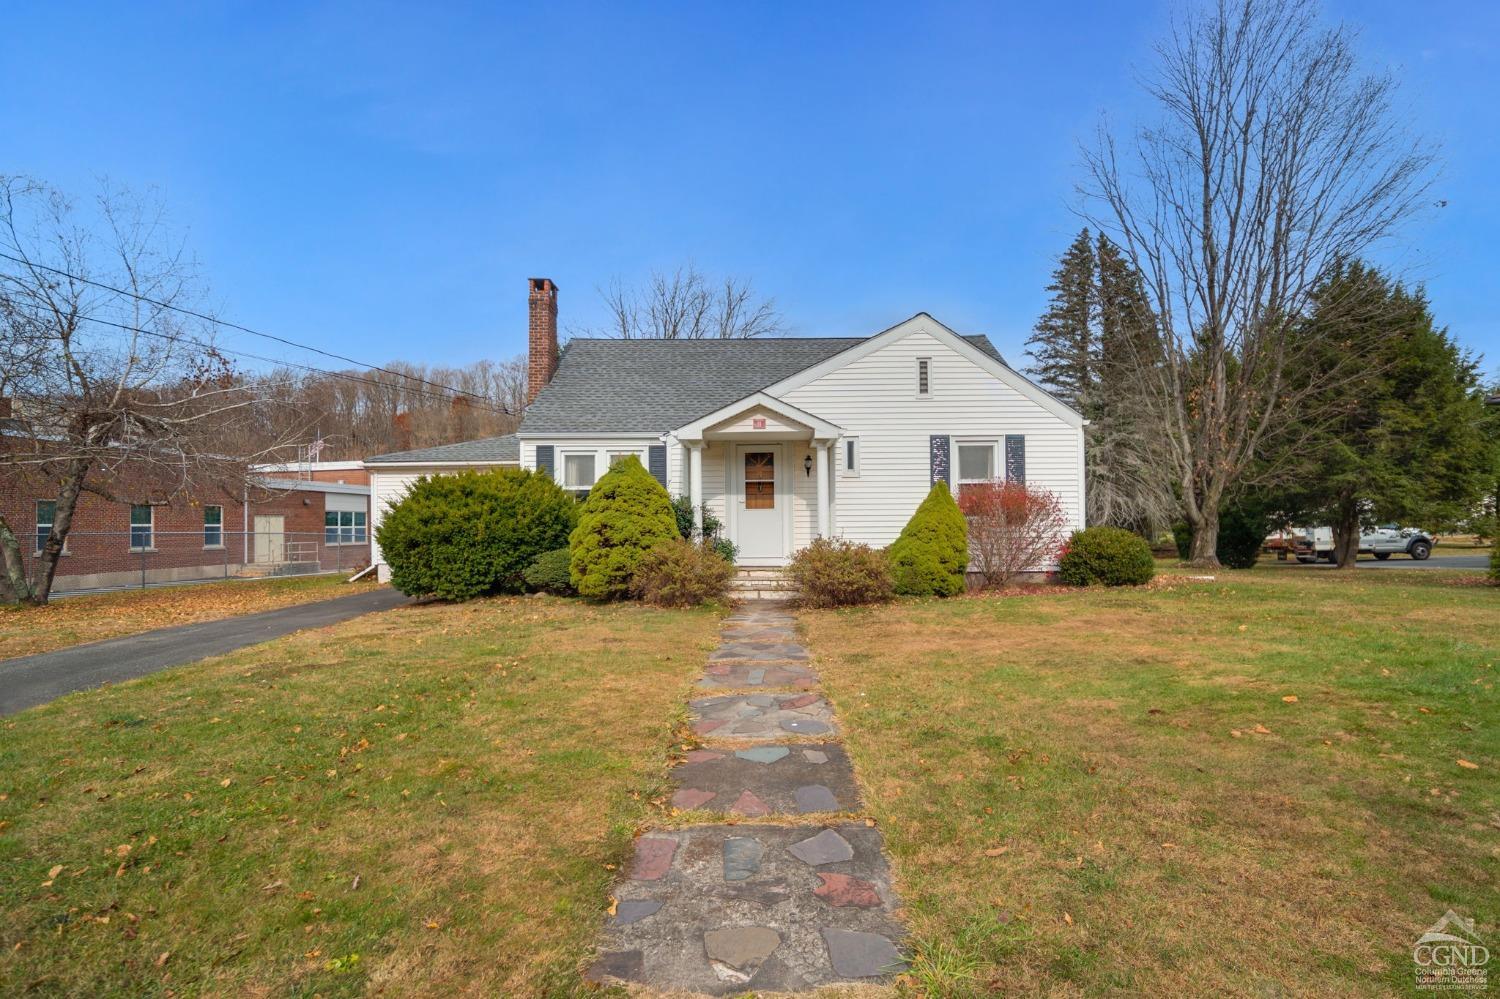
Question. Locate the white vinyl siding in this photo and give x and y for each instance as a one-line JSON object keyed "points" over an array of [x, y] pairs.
{"points": [[872, 397]]}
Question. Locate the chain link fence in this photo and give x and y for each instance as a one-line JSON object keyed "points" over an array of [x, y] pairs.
{"points": [[141, 557]]}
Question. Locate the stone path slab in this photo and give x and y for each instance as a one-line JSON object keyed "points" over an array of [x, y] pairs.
{"points": [[761, 717], [731, 909], [787, 780], [741, 911], [738, 675]]}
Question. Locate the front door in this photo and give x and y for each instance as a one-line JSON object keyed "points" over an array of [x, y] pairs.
{"points": [[270, 539], [760, 521]]}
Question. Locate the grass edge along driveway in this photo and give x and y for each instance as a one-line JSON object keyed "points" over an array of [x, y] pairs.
{"points": [[429, 800]]}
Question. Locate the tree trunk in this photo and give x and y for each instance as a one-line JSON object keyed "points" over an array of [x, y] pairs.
{"points": [[62, 523], [15, 589], [1204, 552], [1346, 533]]}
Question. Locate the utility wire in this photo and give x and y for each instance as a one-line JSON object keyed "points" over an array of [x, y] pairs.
{"points": [[243, 329], [291, 364]]}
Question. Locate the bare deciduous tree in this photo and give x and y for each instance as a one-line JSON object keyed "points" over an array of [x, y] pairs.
{"points": [[684, 305], [111, 391], [1276, 159]]}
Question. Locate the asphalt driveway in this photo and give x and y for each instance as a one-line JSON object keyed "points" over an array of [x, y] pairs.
{"points": [[1476, 562], [32, 680]]}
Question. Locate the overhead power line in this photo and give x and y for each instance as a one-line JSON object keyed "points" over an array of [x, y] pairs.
{"points": [[483, 404], [245, 329]]}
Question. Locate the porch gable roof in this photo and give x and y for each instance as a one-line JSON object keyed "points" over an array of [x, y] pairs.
{"points": [[815, 427]]}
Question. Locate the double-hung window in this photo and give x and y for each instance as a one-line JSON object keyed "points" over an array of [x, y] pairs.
{"points": [[46, 515], [213, 527], [142, 527], [977, 462], [614, 456], [579, 472], [344, 527]]}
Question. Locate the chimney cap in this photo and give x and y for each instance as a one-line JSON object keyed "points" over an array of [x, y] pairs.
{"points": [[542, 284]]}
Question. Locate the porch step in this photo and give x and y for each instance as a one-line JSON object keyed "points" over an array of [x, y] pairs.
{"points": [[761, 583]]}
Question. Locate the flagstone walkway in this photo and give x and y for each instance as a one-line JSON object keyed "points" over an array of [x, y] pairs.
{"points": [[721, 909]]}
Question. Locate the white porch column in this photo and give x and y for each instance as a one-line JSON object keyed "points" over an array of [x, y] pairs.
{"points": [[695, 484], [820, 450]]}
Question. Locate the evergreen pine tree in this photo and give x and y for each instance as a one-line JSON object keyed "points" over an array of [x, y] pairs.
{"points": [[1062, 345]]}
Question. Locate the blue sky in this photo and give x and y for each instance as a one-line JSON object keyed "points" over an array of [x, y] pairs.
{"points": [[381, 179]]}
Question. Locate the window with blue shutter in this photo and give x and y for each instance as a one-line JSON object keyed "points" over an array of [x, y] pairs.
{"points": [[656, 463], [546, 460], [938, 460], [1015, 457]]}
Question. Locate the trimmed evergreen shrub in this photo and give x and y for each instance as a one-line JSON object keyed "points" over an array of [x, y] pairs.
{"points": [[627, 514], [681, 574], [465, 535], [1182, 535], [1242, 532], [832, 572], [930, 556], [1106, 556], [551, 572]]}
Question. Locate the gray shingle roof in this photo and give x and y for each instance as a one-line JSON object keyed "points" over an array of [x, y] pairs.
{"points": [[651, 386], [488, 449]]}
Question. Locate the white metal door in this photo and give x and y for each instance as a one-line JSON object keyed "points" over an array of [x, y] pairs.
{"points": [[270, 539], [761, 503]]}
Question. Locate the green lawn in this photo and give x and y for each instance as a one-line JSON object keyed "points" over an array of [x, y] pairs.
{"points": [[425, 801], [92, 617], [1250, 786], [434, 800]]}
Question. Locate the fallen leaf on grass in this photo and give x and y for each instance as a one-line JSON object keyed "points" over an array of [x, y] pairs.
{"points": [[997, 851], [161, 958], [226, 782], [1261, 730], [1068, 918], [1467, 765], [1236, 733], [432, 924], [1290, 698]]}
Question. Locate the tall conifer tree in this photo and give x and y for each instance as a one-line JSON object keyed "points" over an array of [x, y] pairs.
{"points": [[1062, 345]]}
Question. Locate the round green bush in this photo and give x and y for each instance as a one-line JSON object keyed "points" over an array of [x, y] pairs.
{"points": [[930, 556], [551, 572], [627, 514], [465, 535], [832, 572], [1106, 556]]}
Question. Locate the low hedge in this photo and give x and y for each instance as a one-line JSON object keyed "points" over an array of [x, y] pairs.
{"points": [[1106, 556], [551, 572], [832, 572], [679, 573]]}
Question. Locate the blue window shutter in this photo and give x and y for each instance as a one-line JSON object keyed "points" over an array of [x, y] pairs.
{"points": [[545, 460], [656, 462], [1015, 457], [939, 460]]}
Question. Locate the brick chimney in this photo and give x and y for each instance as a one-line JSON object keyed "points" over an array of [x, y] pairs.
{"points": [[542, 349]]}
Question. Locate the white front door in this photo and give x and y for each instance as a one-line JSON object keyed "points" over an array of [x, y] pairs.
{"points": [[762, 503], [270, 539]]}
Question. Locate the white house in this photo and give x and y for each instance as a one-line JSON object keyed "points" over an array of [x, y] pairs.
{"points": [[785, 439]]}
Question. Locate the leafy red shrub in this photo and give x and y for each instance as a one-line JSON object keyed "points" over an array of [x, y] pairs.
{"points": [[1012, 528]]}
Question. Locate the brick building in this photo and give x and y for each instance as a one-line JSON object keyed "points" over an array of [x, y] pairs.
{"points": [[287, 520]]}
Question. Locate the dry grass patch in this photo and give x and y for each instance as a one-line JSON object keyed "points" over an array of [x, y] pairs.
{"points": [[68, 621], [428, 801], [1106, 791]]}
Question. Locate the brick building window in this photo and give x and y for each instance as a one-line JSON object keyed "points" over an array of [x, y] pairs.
{"points": [[344, 527], [142, 523], [213, 527], [46, 514]]}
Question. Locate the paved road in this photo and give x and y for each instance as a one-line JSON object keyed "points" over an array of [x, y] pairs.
{"points": [[1480, 562], [33, 680]]}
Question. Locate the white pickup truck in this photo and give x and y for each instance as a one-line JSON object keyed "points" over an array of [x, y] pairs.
{"points": [[1314, 543]]}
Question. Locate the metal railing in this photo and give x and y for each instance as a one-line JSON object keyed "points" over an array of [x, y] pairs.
{"points": [[95, 560]]}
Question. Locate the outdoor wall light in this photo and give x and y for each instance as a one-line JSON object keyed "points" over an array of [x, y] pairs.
{"points": [[807, 465]]}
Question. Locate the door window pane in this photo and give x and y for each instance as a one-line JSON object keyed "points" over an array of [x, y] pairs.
{"points": [[976, 462], [140, 525], [213, 526], [760, 480]]}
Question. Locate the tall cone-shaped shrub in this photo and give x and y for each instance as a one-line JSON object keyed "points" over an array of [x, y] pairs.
{"points": [[627, 514], [930, 556]]}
